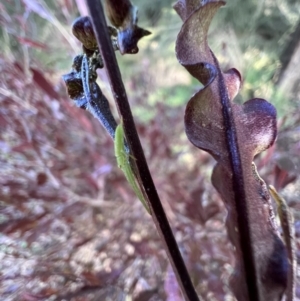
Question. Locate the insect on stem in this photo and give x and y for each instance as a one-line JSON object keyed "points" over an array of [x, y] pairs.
{"points": [[123, 162]]}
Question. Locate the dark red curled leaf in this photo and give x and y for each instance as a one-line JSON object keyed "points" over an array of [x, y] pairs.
{"points": [[233, 134]]}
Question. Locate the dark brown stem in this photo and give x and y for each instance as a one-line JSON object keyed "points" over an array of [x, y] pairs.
{"points": [[119, 93], [243, 221]]}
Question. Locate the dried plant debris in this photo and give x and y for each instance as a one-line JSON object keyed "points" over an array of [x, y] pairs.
{"points": [[83, 30], [125, 33], [233, 134], [124, 17], [81, 81]]}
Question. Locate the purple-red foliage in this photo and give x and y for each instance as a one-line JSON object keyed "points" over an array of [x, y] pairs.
{"points": [[70, 225]]}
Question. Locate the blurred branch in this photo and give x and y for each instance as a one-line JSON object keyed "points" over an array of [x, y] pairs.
{"points": [[289, 60], [42, 9], [18, 100]]}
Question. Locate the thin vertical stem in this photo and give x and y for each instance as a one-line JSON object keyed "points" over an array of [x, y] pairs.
{"points": [[119, 93]]}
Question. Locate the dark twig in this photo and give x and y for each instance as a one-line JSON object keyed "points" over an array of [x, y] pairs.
{"points": [[119, 93]]}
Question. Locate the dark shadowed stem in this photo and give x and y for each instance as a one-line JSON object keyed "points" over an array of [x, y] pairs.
{"points": [[246, 241], [119, 93]]}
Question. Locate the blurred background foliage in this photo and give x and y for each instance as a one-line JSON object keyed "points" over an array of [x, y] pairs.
{"points": [[71, 228]]}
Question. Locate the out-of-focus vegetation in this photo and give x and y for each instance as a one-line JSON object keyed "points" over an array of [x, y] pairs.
{"points": [[71, 228]]}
